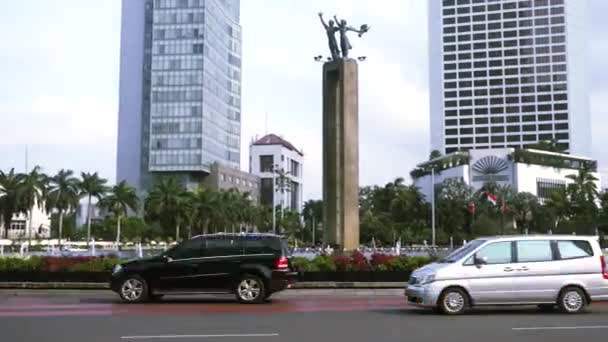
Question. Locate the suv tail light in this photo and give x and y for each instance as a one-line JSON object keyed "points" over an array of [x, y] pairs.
{"points": [[604, 271], [282, 263]]}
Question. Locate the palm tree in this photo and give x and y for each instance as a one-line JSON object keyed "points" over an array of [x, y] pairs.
{"points": [[32, 190], [91, 185], [63, 195], [118, 201], [559, 204], [524, 205], [203, 202], [9, 197], [164, 203], [283, 184]]}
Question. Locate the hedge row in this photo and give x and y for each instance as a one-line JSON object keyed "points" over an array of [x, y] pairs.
{"points": [[57, 264], [358, 262], [326, 263]]}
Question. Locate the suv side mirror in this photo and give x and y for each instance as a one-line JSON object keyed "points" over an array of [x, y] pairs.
{"points": [[166, 258]]}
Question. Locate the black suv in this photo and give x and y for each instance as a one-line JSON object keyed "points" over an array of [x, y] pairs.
{"points": [[251, 266]]}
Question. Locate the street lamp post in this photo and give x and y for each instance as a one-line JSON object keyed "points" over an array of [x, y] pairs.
{"points": [[433, 205], [274, 209]]}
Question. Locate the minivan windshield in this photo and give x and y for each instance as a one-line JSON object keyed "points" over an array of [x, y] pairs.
{"points": [[462, 251]]}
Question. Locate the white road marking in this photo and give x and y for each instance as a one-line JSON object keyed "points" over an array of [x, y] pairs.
{"points": [[195, 336], [563, 328]]}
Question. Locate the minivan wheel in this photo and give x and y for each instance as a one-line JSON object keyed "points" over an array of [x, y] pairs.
{"points": [[133, 289], [572, 300], [453, 302], [250, 290]]}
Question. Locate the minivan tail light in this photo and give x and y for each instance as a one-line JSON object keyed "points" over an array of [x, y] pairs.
{"points": [[282, 264], [604, 271]]}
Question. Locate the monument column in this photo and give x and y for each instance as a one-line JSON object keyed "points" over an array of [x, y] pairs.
{"points": [[341, 153]]}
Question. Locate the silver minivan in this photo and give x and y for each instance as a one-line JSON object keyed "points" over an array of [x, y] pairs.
{"points": [[567, 272]]}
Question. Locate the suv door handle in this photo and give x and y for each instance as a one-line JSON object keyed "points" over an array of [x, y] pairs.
{"points": [[508, 269]]}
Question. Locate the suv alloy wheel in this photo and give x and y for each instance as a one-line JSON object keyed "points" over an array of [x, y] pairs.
{"points": [[250, 289], [134, 289]]}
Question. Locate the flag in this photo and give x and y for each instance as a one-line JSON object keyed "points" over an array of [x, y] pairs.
{"points": [[491, 197], [472, 208]]}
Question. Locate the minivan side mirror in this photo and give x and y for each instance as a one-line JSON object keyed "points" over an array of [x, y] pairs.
{"points": [[478, 261]]}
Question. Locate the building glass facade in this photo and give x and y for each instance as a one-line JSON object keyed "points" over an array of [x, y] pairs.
{"points": [[195, 85]]}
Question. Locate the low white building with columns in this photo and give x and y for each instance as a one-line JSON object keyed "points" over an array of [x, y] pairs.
{"points": [[19, 227], [525, 170], [269, 155]]}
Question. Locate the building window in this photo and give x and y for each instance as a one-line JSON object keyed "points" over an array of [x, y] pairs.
{"points": [[545, 187], [266, 195], [266, 163], [223, 177], [295, 167]]}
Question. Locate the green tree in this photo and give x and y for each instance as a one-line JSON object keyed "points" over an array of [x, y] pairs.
{"points": [[558, 204], [168, 203], [118, 201], [204, 208], [9, 197], [63, 196], [434, 154], [31, 192], [583, 194], [524, 206], [91, 186], [313, 215], [453, 212]]}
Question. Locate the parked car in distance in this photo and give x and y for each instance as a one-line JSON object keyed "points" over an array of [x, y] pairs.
{"points": [[251, 266], [567, 272]]}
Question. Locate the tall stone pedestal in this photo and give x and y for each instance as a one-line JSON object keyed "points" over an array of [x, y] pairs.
{"points": [[341, 153]]}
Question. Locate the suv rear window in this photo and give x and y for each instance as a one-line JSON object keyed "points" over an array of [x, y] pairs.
{"points": [[264, 245], [572, 249]]}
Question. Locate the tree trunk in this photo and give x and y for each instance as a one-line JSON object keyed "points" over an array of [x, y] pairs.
{"points": [[189, 232], [89, 222], [118, 232], [29, 229], [60, 228], [177, 233]]}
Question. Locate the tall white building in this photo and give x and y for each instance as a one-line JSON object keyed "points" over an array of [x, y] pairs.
{"points": [[273, 153], [508, 73]]}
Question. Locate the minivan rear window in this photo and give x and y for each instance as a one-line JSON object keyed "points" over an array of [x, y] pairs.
{"points": [[573, 249]]}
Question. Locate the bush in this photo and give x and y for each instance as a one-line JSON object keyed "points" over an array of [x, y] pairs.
{"points": [[95, 265], [325, 263], [20, 264]]}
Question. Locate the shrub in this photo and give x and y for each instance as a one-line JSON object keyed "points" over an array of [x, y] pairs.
{"points": [[304, 265], [379, 261], [325, 263], [342, 263], [359, 262], [20, 264], [95, 265]]}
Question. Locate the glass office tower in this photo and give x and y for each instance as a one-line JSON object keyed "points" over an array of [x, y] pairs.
{"points": [[180, 86]]}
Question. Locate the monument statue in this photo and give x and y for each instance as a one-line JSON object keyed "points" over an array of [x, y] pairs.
{"points": [[342, 26], [341, 139], [331, 29]]}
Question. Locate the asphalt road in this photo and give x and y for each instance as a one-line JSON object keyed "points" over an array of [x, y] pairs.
{"points": [[293, 316]]}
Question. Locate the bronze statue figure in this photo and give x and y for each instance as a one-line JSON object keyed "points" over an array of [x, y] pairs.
{"points": [[342, 26], [331, 37]]}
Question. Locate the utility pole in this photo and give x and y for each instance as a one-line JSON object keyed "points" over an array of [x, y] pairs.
{"points": [[433, 204]]}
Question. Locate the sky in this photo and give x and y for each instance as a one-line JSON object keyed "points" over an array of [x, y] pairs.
{"points": [[59, 67]]}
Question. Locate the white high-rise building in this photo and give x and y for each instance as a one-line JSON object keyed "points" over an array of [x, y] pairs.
{"points": [[508, 73], [267, 157]]}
